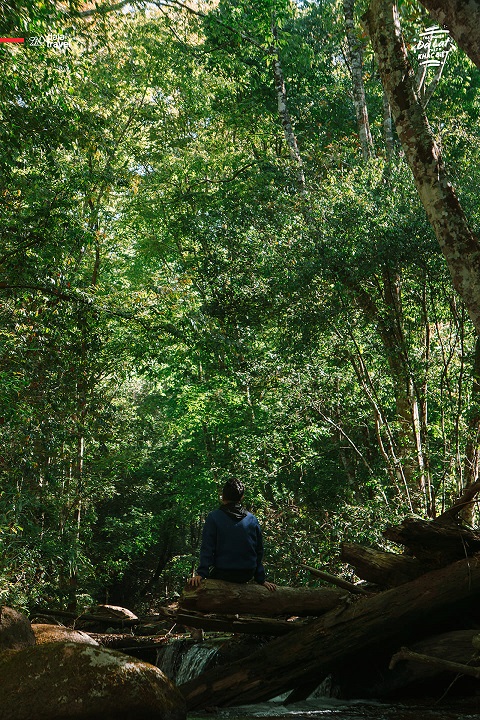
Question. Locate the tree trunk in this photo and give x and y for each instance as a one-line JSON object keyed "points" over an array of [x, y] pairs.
{"points": [[284, 115], [408, 440], [311, 652], [433, 541], [382, 568], [462, 18], [472, 448], [388, 129], [459, 245], [437, 663], [356, 65], [223, 597]]}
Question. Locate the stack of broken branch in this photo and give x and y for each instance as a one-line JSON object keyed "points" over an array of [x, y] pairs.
{"points": [[426, 598]]}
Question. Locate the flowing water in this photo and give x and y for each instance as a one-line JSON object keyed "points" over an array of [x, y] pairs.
{"points": [[183, 660], [194, 663], [331, 709]]}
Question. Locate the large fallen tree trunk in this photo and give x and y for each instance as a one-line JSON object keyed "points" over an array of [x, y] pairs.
{"points": [[433, 541], [382, 568], [223, 597], [386, 620]]}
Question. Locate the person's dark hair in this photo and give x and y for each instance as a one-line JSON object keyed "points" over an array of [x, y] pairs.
{"points": [[233, 490]]}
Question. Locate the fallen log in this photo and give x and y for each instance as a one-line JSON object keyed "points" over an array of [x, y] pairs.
{"points": [[460, 504], [334, 580], [393, 616], [165, 613], [382, 568], [430, 541], [222, 597], [237, 624], [436, 662]]}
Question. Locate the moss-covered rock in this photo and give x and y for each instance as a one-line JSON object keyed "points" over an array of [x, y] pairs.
{"points": [[56, 633], [15, 630], [58, 681]]}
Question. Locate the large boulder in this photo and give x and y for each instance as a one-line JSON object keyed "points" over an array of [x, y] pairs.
{"points": [[15, 630], [59, 681], [57, 633]]}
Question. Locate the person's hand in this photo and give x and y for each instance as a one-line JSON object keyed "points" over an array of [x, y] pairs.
{"points": [[270, 586], [195, 581]]}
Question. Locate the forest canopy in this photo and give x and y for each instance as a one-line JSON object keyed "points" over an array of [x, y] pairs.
{"points": [[216, 262]]}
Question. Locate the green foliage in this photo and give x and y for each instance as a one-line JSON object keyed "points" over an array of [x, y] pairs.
{"points": [[172, 312]]}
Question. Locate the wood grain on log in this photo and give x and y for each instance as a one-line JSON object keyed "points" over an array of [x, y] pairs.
{"points": [[383, 568], [384, 620], [435, 542], [230, 598]]}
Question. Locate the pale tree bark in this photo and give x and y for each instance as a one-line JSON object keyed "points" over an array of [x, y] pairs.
{"points": [[459, 245], [388, 128], [284, 115], [462, 19], [355, 51], [406, 393]]}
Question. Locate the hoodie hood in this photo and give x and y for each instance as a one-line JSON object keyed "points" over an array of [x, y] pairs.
{"points": [[234, 510]]}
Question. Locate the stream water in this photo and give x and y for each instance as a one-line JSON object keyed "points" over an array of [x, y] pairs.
{"points": [[331, 709], [184, 660]]}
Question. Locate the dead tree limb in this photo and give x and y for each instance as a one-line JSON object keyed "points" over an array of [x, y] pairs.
{"points": [[458, 668], [340, 582]]}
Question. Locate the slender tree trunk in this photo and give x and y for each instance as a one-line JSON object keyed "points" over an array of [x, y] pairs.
{"points": [[77, 469], [285, 118], [356, 64], [390, 327], [472, 449], [406, 396], [385, 439], [459, 245], [388, 128]]}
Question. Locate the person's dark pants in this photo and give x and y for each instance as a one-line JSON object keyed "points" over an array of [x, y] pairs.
{"points": [[234, 576]]}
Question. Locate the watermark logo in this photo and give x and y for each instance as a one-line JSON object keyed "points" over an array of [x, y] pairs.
{"points": [[51, 40], [59, 42], [433, 47]]}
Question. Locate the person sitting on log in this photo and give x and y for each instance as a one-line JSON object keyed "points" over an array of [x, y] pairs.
{"points": [[232, 544]]}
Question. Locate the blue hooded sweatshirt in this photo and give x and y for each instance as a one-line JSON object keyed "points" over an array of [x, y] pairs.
{"points": [[232, 540]]}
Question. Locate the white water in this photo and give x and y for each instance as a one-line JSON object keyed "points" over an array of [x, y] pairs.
{"points": [[194, 662], [331, 709]]}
